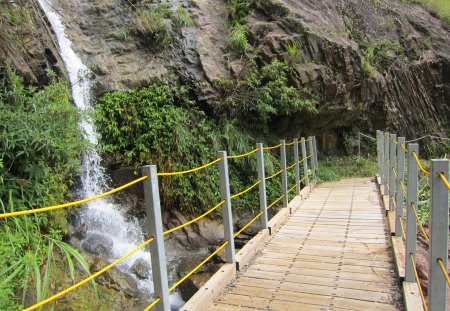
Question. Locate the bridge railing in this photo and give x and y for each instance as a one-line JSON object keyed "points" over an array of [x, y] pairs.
{"points": [[400, 187], [153, 211]]}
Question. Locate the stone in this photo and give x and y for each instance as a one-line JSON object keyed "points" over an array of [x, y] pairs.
{"points": [[98, 244], [141, 269]]}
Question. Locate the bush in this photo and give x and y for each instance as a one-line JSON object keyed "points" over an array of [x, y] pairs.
{"points": [[238, 42], [151, 23]]}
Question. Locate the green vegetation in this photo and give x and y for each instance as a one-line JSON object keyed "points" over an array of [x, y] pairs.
{"points": [[439, 7], [39, 149], [337, 167], [121, 34], [238, 41], [381, 54], [238, 10], [294, 52]]}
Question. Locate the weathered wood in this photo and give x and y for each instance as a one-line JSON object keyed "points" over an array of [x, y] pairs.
{"points": [[279, 219], [411, 296], [399, 255], [250, 249]]}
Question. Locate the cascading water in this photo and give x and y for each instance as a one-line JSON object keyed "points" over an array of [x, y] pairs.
{"points": [[102, 218]]}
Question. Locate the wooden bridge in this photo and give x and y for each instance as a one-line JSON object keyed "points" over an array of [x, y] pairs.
{"points": [[332, 253]]}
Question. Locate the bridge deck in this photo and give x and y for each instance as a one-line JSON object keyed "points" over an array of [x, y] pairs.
{"points": [[332, 253]]}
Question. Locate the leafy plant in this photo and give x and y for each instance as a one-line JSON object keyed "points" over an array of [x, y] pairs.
{"points": [[150, 23], [181, 17], [294, 52], [238, 10], [238, 41], [121, 34]]}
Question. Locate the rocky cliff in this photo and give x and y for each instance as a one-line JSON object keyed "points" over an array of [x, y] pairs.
{"points": [[368, 64]]}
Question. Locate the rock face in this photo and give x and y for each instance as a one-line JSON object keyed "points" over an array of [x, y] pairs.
{"points": [[98, 244]]}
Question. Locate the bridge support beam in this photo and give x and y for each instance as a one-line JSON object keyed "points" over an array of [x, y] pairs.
{"points": [[157, 249], [297, 167], [437, 291], [284, 181], [392, 168], [398, 185], [386, 164], [305, 160], [311, 153], [411, 224], [262, 185]]}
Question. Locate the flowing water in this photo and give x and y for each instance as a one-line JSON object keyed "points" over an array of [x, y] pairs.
{"points": [[101, 216]]}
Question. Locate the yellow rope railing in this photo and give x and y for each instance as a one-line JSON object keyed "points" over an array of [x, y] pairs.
{"points": [[191, 170], [291, 166], [444, 179], [309, 156], [246, 190], [197, 267], [402, 184], [275, 202], [153, 304], [56, 207], [299, 182], [290, 144], [422, 229], [242, 155], [420, 164], [393, 202], [402, 226], [404, 148], [424, 302], [395, 171], [274, 175], [273, 147], [195, 219], [90, 278], [248, 224], [444, 271]]}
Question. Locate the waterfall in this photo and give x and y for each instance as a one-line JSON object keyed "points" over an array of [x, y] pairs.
{"points": [[102, 217]]}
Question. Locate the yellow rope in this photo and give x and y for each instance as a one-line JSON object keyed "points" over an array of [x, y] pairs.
{"points": [[152, 304], [246, 190], [52, 208], [444, 180], [273, 147], [197, 267], [301, 161], [275, 202], [425, 306], [299, 182], [425, 235], [291, 166], [191, 170], [91, 277], [195, 219], [403, 187], [291, 143], [394, 141], [243, 155], [309, 156], [420, 164], [402, 227], [444, 271], [404, 148], [395, 171], [393, 202], [248, 224], [274, 175]]}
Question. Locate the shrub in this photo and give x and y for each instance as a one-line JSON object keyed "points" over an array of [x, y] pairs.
{"points": [[150, 23], [294, 52], [238, 41], [181, 17]]}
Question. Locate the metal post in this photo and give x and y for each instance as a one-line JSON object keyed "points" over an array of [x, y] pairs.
{"points": [[359, 145], [157, 251], [382, 163], [297, 166], [227, 214], [284, 181], [411, 225], [437, 290], [305, 160], [311, 153], [392, 165], [262, 185], [400, 178], [386, 163], [315, 153]]}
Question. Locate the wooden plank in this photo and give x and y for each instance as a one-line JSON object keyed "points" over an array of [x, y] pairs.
{"points": [[411, 296], [250, 249], [277, 220], [205, 296], [399, 255], [391, 222]]}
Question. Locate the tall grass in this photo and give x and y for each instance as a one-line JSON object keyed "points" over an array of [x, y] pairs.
{"points": [[439, 7]]}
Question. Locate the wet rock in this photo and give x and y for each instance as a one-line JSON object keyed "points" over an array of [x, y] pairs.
{"points": [[141, 269], [98, 244], [189, 287], [76, 228]]}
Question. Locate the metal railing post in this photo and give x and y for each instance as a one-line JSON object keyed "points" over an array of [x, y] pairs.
{"points": [[283, 165], [315, 153], [305, 160], [400, 178], [297, 166], [311, 153], [386, 163], [262, 185], [392, 165], [379, 154], [157, 249], [227, 213], [411, 224], [437, 290]]}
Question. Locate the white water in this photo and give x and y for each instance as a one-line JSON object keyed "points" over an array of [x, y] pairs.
{"points": [[100, 216]]}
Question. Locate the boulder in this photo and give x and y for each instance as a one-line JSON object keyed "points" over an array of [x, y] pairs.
{"points": [[98, 244], [141, 269]]}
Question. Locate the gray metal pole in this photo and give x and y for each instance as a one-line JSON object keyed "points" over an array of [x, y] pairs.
{"points": [[400, 178], [386, 163], [157, 250], [262, 185], [392, 165], [382, 160], [379, 153], [311, 153], [297, 166], [411, 224], [227, 213], [305, 161], [359, 145], [284, 180], [315, 153], [437, 290]]}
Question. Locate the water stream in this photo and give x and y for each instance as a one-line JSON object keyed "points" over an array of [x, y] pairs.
{"points": [[102, 218]]}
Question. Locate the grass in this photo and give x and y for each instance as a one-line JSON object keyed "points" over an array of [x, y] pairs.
{"points": [[294, 52], [337, 167], [439, 7], [151, 23], [238, 41]]}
